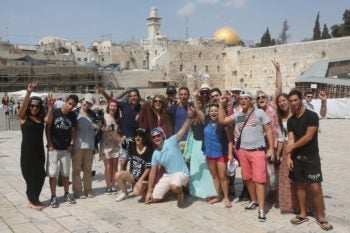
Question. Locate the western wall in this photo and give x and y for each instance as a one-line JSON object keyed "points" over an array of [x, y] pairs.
{"points": [[251, 68]]}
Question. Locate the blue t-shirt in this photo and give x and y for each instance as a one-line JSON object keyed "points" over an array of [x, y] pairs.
{"points": [[170, 157], [128, 123], [213, 145], [180, 116]]}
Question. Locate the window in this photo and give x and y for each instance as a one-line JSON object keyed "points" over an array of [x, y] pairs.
{"points": [[85, 59], [200, 54], [195, 68], [206, 68], [181, 67], [103, 59], [144, 63]]}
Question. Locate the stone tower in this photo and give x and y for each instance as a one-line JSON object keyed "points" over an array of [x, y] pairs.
{"points": [[153, 23]]}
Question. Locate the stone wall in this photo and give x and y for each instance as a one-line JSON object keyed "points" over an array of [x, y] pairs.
{"points": [[252, 68]]}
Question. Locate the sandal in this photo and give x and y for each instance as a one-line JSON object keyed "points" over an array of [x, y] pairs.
{"points": [[324, 225], [298, 220]]}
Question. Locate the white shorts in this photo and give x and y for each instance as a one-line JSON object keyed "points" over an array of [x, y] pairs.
{"points": [[178, 179], [58, 160]]}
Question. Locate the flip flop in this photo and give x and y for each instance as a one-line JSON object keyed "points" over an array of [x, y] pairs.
{"points": [[325, 225], [298, 220]]}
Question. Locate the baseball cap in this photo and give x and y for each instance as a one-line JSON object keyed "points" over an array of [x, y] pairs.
{"points": [[246, 93], [170, 90]]}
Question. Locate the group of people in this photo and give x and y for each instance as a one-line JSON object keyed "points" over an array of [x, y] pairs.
{"points": [[171, 143]]}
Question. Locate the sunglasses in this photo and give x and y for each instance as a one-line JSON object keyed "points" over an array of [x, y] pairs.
{"points": [[261, 97], [309, 96], [34, 106], [156, 136], [157, 101]]}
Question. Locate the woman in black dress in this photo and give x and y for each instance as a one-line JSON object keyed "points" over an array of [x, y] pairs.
{"points": [[31, 117]]}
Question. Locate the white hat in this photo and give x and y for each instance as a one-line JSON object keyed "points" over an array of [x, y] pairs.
{"points": [[246, 93], [236, 88], [89, 98], [205, 86]]}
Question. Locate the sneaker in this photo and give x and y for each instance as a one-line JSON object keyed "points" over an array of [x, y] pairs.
{"points": [[261, 216], [53, 202], [69, 198], [252, 206], [121, 196], [108, 191]]}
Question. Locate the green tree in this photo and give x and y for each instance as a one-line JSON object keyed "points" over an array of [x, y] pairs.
{"points": [[325, 33], [336, 30], [284, 36], [265, 39], [317, 30], [346, 25]]}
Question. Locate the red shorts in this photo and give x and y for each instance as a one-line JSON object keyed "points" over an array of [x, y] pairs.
{"points": [[253, 165], [222, 159]]}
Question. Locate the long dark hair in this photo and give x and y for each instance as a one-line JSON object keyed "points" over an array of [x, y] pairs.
{"points": [[41, 113], [117, 112], [280, 113]]}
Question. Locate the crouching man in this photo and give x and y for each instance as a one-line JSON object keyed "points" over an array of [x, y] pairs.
{"points": [[168, 155]]}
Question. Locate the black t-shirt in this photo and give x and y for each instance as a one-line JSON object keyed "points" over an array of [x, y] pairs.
{"points": [[139, 162], [299, 127], [61, 133]]}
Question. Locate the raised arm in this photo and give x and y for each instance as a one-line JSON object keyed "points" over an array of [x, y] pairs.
{"points": [[278, 89], [186, 124], [221, 115], [199, 112], [323, 109], [100, 90], [50, 102], [22, 111]]}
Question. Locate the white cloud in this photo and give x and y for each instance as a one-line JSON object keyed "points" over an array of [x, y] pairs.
{"points": [[211, 2], [235, 3], [187, 9]]}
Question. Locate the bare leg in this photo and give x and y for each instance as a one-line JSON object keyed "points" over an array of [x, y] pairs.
{"points": [[301, 193], [252, 190], [53, 183], [260, 193], [122, 177], [221, 167], [179, 193], [65, 181], [107, 163], [214, 173], [316, 190]]}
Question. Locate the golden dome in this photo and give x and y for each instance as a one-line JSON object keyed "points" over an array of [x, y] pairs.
{"points": [[228, 34]]}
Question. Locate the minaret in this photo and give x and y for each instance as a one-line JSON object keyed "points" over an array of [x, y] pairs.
{"points": [[153, 23]]}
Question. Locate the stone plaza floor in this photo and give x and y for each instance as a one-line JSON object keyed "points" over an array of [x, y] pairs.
{"points": [[103, 214]]}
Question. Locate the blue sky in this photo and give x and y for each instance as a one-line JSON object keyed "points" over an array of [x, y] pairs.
{"points": [[26, 21]]}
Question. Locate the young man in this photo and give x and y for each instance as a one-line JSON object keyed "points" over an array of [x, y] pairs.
{"points": [[171, 95], [168, 155], [60, 135], [252, 148], [303, 158]]}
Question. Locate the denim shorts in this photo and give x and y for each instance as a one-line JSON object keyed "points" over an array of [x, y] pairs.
{"points": [[58, 160]]}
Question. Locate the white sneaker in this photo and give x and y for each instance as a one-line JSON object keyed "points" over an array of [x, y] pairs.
{"points": [[121, 196]]}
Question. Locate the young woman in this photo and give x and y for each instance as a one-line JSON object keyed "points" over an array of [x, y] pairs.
{"points": [[140, 166], [110, 143], [31, 118], [201, 181], [155, 114], [218, 150]]}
